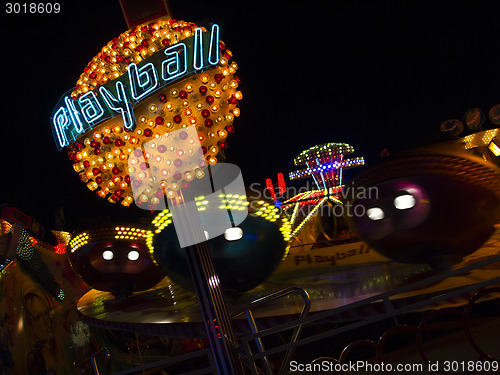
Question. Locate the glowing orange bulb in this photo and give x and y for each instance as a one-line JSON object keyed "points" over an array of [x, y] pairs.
{"points": [[204, 78], [78, 167], [199, 173], [92, 185], [127, 201]]}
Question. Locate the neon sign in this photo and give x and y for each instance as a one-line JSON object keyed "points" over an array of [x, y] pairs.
{"points": [[73, 117]]}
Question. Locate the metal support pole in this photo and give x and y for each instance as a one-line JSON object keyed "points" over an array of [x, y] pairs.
{"points": [[207, 286]]}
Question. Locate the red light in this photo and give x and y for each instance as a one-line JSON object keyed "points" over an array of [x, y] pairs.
{"points": [[60, 249], [281, 184], [270, 187]]}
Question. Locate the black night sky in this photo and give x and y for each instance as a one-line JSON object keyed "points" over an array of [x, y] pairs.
{"points": [[373, 74]]}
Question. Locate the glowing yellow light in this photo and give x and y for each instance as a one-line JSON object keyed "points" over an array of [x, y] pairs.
{"points": [[494, 147]]}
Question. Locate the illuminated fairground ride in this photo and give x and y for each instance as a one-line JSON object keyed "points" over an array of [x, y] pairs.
{"points": [[324, 164]]}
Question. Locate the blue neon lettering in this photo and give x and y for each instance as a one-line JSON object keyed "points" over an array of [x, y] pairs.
{"points": [[61, 121], [143, 80], [198, 50], [213, 52], [71, 119], [74, 114], [121, 104], [91, 108], [176, 64]]}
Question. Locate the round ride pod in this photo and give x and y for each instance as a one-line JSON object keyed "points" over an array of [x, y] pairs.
{"points": [[115, 259], [432, 205]]}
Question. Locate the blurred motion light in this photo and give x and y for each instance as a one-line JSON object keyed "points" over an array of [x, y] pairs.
{"points": [[375, 213], [133, 255], [233, 234], [107, 255], [404, 202]]}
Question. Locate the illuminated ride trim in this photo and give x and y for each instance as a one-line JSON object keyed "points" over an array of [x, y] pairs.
{"points": [[113, 232], [482, 138], [345, 164], [323, 151]]}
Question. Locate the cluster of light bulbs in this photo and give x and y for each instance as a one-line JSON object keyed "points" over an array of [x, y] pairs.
{"points": [[79, 241], [482, 138], [207, 100], [272, 213], [234, 202], [132, 46], [323, 151], [126, 233]]}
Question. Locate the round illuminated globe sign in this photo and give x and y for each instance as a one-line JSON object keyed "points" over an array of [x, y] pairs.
{"points": [[152, 80]]}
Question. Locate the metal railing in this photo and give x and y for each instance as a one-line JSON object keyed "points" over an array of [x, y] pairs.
{"points": [[245, 341], [257, 361], [392, 311]]}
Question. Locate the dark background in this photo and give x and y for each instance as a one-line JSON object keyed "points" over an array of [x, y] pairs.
{"points": [[374, 74]]}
